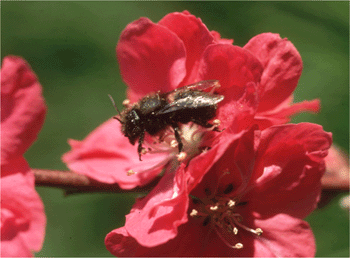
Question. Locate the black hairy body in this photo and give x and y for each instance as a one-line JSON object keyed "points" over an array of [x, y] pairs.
{"points": [[156, 112]]}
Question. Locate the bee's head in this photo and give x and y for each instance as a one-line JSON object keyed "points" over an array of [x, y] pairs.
{"points": [[132, 126]]}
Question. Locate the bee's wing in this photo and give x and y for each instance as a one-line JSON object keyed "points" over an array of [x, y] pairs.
{"points": [[190, 102], [202, 85]]}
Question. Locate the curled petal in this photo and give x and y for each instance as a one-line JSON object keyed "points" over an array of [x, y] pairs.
{"points": [[106, 155], [282, 68], [22, 108], [120, 244], [151, 58]]}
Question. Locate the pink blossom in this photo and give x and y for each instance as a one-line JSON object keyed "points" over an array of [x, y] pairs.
{"points": [[337, 169], [22, 115], [250, 202], [257, 81]]}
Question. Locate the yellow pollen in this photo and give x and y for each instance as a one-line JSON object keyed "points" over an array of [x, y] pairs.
{"points": [[235, 230], [173, 143], [181, 156], [216, 122], [130, 172], [214, 208], [194, 213], [231, 203], [258, 231], [143, 151], [238, 246], [126, 102]]}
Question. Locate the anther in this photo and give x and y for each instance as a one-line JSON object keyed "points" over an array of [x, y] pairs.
{"points": [[130, 172], [173, 143], [216, 122], [214, 208], [231, 203], [258, 231], [235, 230], [194, 213], [126, 102], [238, 246], [181, 156], [143, 151]]}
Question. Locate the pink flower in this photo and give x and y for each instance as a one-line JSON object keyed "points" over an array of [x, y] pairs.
{"points": [[337, 169], [251, 202], [22, 115], [257, 81]]}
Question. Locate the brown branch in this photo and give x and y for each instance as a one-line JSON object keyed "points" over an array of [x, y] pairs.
{"points": [[73, 183]]}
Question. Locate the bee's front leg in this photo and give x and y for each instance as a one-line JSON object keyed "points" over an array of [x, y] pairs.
{"points": [[178, 137], [140, 148]]}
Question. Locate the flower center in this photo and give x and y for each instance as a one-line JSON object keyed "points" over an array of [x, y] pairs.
{"points": [[222, 213], [191, 135]]}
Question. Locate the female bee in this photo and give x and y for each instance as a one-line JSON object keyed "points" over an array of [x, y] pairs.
{"points": [[156, 112]]}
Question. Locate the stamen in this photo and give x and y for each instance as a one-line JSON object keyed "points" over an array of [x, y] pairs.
{"points": [[236, 246], [257, 231]]}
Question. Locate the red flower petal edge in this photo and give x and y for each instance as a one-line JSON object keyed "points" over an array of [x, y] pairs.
{"points": [[23, 110]]}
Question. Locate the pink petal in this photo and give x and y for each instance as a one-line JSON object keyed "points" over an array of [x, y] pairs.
{"points": [[232, 164], [195, 37], [151, 58], [282, 68], [290, 162], [233, 66], [218, 38], [106, 155], [193, 240], [22, 108], [155, 219], [236, 116], [337, 169], [284, 236], [282, 113], [22, 212]]}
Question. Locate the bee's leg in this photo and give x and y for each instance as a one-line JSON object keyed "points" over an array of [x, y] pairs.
{"points": [[139, 148], [178, 137]]}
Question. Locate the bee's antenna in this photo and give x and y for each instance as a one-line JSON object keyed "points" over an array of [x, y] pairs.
{"points": [[113, 103]]}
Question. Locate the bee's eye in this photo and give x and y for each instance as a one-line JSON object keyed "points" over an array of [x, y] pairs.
{"points": [[134, 115]]}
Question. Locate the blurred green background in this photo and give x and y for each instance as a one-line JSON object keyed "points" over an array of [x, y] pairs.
{"points": [[71, 47]]}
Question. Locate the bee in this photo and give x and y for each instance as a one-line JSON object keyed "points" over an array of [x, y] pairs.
{"points": [[155, 112]]}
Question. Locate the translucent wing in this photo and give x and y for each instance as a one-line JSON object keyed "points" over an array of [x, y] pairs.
{"points": [[202, 85], [191, 102]]}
